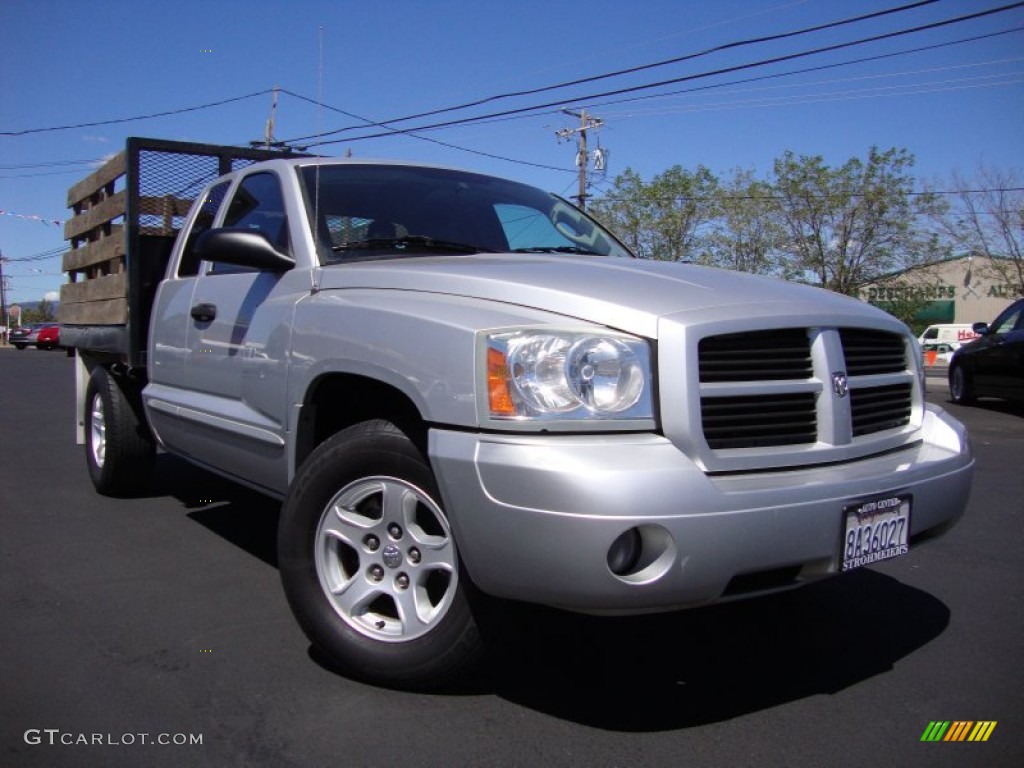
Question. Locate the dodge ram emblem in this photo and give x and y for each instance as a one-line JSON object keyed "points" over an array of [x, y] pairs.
{"points": [[839, 383]]}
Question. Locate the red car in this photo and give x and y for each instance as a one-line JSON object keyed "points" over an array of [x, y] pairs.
{"points": [[41, 335], [48, 336]]}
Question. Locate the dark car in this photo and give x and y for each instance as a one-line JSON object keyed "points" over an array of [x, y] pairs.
{"points": [[992, 365], [23, 335]]}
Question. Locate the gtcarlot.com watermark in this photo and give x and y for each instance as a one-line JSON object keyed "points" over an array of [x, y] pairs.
{"points": [[55, 736]]}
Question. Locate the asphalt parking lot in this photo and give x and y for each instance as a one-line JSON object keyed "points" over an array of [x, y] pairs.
{"points": [[130, 623]]}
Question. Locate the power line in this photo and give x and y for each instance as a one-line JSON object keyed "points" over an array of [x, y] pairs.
{"points": [[426, 138], [632, 70], [48, 164], [913, 193], [37, 256], [819, 68], [686, 78], [863, 93], [114, 121], [486, 120]]}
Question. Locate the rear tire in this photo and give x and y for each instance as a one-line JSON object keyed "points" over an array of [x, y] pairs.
{"points": [[961, 388], [369, 564], [119, 448]]}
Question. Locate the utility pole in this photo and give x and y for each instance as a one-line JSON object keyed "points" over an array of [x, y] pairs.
{"points": [[587, 123], [269, 142]]}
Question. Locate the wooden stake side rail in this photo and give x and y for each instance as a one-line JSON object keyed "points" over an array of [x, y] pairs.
{"points": [[97, 291], [124, 220]]}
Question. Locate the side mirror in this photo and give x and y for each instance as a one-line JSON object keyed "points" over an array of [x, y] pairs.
{"points": [[243, 248], [980, 328]]}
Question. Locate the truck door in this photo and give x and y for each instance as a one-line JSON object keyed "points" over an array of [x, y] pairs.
{"points": [[238, 338]]}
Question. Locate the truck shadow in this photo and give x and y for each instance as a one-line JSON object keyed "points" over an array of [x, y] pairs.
{"points": [[645, 673], [689, 668], [1008, 407], [242, 516]]}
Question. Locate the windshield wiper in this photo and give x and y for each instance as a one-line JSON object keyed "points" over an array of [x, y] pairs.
{"points": [[557, 249], [411, 243]]}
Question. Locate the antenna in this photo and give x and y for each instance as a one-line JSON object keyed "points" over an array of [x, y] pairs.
{"points": [[316, 171]]}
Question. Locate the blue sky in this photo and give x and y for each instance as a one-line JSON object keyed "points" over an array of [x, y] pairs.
{"points": [[71, 63]]}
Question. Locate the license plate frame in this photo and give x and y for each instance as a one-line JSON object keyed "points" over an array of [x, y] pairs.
{"points": [[874, 530]]}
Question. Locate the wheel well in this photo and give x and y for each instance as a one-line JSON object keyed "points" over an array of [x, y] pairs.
{"points": [[337, 401]]}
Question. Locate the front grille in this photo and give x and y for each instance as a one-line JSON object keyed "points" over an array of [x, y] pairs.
{"points": [[771, 388], [880, 408], [759, 421], [783, 354], [867, 351]]}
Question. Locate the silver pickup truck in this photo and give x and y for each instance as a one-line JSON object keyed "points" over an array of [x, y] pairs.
{"points": [[462, 386]]}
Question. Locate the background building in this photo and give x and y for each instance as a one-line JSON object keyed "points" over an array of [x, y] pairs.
{"points": [[968, 289]]}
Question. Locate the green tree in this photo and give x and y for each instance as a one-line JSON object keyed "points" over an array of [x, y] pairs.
{"points": [[664, 219], [43, 312], [852, 224], [747, 234]]}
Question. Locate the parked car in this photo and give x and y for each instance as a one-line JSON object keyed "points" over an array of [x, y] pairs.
{"points": [[48, 336], [23, 335], [993, 364], [42, 335], [953, 335]]}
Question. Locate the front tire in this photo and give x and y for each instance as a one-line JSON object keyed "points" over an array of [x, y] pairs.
{"points": [[369, 562], [961, 388], [119, 448]]}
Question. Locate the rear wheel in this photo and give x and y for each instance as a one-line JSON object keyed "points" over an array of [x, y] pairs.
{"points": [[961, 388], [369, 563], [119, 448]]}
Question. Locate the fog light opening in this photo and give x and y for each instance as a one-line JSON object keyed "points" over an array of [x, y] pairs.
{"points": [[624, 553]]}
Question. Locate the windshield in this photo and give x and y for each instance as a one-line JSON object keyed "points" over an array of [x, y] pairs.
{"points": [[390, 211]]}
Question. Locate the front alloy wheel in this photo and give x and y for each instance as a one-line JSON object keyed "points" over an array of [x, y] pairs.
{"points": [[370, 566], [385, 559]]}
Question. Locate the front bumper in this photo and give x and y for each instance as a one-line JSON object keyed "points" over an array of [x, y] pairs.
{"points": [[535, 515]]}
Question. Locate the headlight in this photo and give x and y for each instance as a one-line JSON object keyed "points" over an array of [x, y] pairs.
{"points": [[544, 375]]}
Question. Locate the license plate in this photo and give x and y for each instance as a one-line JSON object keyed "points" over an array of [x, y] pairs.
{"points": [[875, 530]]}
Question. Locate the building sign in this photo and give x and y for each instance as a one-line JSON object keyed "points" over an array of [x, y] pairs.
{"points": [[903, 292]]}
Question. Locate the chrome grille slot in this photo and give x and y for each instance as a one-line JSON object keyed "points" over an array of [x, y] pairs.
{"points": [[759, 421], [879, 408], [783, 354], [869, 352]]}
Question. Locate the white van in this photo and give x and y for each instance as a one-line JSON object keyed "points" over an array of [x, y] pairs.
{"points": [[953, 335]]}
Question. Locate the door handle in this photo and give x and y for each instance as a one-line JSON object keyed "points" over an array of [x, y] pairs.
{"points": [[204, 313]]}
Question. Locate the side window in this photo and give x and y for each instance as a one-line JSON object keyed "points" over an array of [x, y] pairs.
{"points": [[189, 264], [1006, 322], [258, 204]]}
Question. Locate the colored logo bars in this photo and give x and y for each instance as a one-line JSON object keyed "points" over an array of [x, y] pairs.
{"points": [[958, 730]]}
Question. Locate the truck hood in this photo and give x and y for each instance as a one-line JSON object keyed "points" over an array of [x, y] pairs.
{"points": [[628, 294]]}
